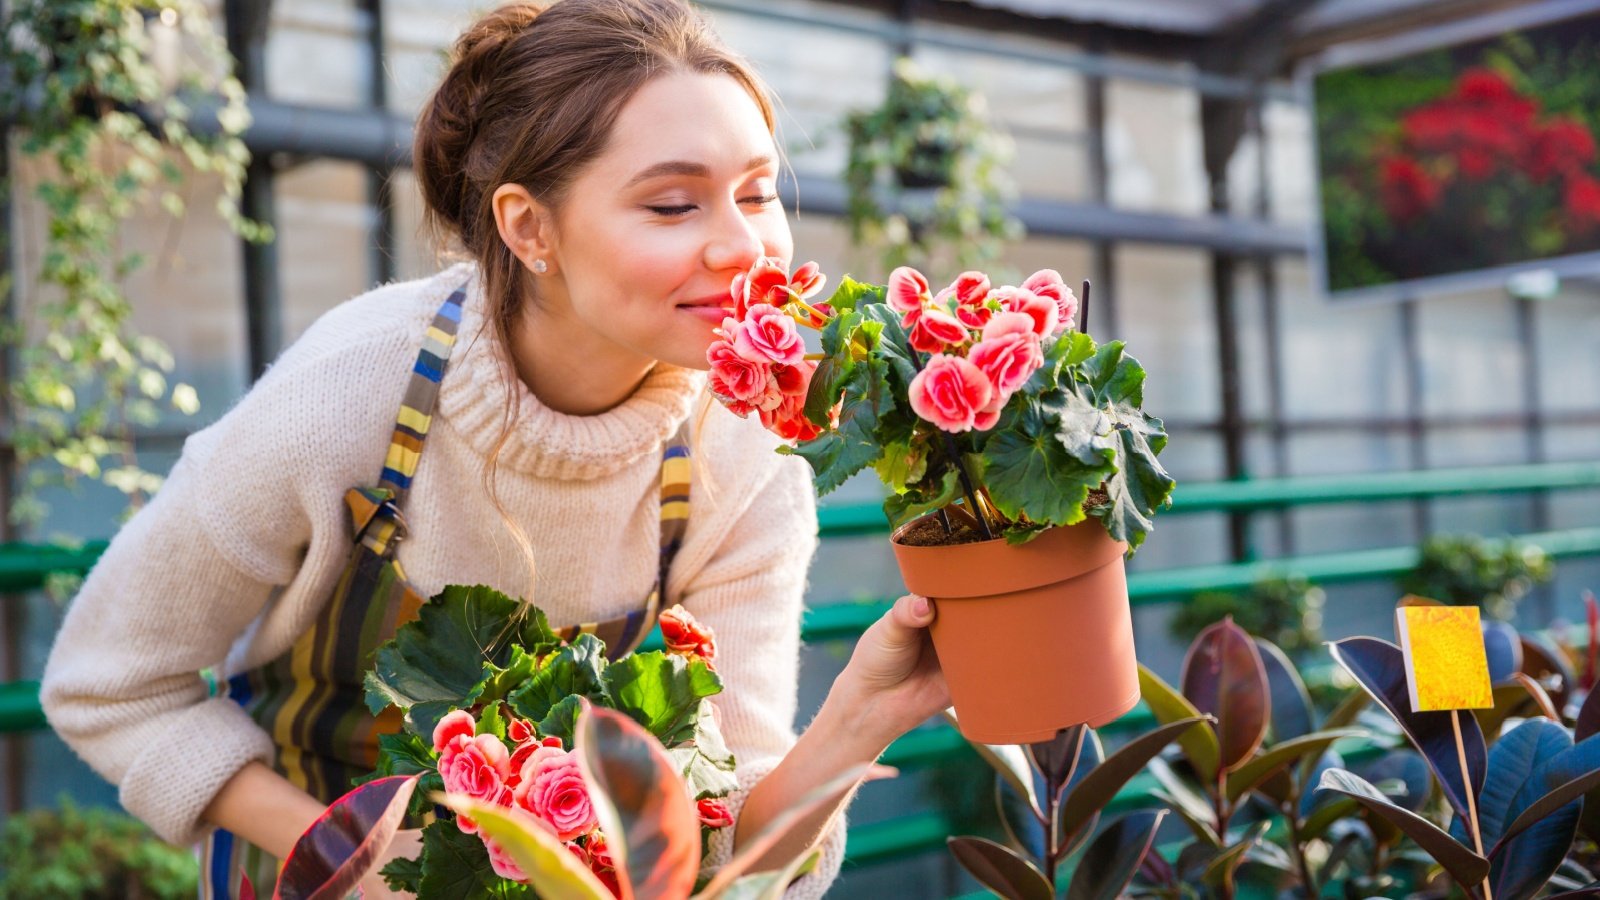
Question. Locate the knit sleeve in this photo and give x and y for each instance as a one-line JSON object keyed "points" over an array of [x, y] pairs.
{"points": [[122, 685], [750, 594], [249, 523]]}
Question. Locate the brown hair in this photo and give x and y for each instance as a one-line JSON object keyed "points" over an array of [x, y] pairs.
{"points": [[531, 95]]}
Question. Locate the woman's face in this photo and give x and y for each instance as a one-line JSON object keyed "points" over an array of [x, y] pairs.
{"points": [[684, 197]]}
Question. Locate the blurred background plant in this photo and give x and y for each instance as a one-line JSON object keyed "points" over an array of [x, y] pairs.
{"points": [[926, 177], [1286, 610], [91, 854], [1469, 569], [104, 94]]}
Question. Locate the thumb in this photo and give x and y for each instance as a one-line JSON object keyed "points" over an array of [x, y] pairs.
{"points": [[907, 619]]}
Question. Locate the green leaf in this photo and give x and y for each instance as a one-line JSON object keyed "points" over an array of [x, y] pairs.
{"points": [[1029, 471], [851, 293], [436, 663], [403, 874], [1113, 383], [561, 720], [1254, 771], [837, 454], [456, 865], [891, 344], [662, 692], [706, 764], [827, 382], [922, 499], [1070, 349], [573, 670], [500, 681], [491, 722], [1462, 864], [900, 466], [1200, 744]]}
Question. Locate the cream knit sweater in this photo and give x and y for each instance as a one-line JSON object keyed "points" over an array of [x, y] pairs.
{"points": [[231, 561]]}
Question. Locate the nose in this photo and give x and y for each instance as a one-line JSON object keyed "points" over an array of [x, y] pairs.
{"points": [[734, 241]]}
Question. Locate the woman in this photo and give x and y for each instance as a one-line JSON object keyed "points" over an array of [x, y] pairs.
{"points": [[608, 167]]}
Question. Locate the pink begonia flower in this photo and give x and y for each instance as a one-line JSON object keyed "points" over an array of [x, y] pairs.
{"points": [[768, 281], [477, 767], [734, 377], [768, 335], [1047, 283], [713, 812], [553, 790], [1008, 357], [932, 330], [501, 861], [795, 379], [950, 392], [970, 288], [907, 290], [455, 723], [683, 633], [1038, 307], [765, 282], [519, 730], [788, 420]]}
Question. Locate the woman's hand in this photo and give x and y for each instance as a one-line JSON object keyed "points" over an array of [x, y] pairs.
{"points": [[893, 677], [407, 844]]}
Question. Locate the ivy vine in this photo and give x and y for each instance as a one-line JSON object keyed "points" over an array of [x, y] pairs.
{"points": [[926, 176], [104, 94]]}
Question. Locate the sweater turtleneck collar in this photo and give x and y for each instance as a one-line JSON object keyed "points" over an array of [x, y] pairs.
{"points": [[541, 441]]}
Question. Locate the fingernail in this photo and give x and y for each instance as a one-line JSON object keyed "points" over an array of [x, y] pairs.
{"points": [[919, 606]]}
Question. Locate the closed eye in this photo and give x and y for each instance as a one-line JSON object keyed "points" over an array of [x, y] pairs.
{"points": [[675, 211]]}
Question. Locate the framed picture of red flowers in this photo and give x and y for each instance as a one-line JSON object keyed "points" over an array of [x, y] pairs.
{"points": [[1455, 159]]}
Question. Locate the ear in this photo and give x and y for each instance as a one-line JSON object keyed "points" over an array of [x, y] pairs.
{"points": [[525, 224]]}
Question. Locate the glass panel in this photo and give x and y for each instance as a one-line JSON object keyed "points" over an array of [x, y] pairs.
{"points": [[324, 224], [317, 53], [1153, 147]]}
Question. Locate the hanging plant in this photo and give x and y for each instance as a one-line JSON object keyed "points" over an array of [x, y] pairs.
{"points": [[102, 93], [926, 176]]}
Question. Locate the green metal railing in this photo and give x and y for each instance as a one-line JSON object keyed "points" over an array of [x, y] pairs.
{"points": [[24, 567]]}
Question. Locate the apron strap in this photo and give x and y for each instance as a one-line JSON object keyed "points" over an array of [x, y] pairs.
{"points": [[624, 634], [416, 408]]}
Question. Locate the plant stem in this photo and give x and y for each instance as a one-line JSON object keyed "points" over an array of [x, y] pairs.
{"points": [[1308, 885], [1083, 308], [810, 310], [966, 484], [944, 519]]}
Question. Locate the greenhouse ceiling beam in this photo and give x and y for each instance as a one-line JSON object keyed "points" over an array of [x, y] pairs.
{"points": [[1072, 37], [378, 138]]}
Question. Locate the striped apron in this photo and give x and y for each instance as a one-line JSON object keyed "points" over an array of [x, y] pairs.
{"points": [[310, 699]]}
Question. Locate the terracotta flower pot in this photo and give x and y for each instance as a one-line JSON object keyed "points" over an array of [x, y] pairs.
{"points": [[1032, 638]]}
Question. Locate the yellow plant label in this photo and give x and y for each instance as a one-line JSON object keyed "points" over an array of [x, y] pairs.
{"points": [[1446, 666]]}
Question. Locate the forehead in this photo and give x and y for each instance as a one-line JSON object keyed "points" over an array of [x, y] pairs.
{"points": [[697, 117]]}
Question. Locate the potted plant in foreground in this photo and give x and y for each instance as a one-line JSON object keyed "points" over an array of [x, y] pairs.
{"points": [[1020, 465]]}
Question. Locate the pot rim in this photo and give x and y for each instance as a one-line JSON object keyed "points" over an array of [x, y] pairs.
{"points": [[993, 567]]}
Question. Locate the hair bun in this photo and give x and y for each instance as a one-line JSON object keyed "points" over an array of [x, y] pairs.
{"points": [[449, 121]]}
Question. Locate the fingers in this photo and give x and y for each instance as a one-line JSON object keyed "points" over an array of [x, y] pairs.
{"points": [[907, 618]]}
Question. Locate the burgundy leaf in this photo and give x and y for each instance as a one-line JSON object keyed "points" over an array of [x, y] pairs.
{"points": [[1000, 869], [641, 802], [1380, 668], [1223, 675], [345, 842]]}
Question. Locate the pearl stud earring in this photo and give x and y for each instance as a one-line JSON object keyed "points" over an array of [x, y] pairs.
{"points": [[540, 267]]}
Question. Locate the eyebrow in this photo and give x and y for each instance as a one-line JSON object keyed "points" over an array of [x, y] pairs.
{"points": [[691, 169]]}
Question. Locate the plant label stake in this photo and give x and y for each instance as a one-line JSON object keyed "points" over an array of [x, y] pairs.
{"points": [[1447, 669]]}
